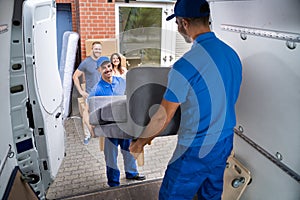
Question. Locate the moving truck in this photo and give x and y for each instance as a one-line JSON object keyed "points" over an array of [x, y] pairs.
{"points": [[265, 34]]}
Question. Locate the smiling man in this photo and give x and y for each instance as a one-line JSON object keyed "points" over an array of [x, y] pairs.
{"points": [[110, 85]]}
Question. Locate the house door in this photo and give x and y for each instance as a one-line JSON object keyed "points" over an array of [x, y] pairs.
{"points": [[145, 37], [63, 23]]}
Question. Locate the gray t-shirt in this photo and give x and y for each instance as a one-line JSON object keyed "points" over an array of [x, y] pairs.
{"points": [[92, 76]]}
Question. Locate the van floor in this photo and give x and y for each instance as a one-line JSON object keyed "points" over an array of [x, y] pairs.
{"points": [[83, 170]]}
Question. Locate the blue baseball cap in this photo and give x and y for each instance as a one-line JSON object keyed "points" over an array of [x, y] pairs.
{"points": [[190, 9], [101, 60]]}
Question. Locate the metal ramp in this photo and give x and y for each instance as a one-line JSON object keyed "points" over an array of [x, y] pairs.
{"points": [[147, 190]]}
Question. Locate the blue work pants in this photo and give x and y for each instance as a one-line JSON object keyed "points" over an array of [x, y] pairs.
{"points": [[111, 154], [188, 174]]}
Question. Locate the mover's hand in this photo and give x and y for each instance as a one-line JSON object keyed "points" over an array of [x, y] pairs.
{"points": [[136, 148]]}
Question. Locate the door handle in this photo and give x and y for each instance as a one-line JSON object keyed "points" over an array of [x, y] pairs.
{"points": [[165, 58]]}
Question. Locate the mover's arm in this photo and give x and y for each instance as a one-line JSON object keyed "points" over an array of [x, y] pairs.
{"points": [[157, 124]]}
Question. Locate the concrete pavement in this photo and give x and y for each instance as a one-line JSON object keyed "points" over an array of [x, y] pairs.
{"points": [[83, 168]]}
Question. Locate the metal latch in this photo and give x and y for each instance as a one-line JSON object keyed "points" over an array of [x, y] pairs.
{"points": [[9, 154]]}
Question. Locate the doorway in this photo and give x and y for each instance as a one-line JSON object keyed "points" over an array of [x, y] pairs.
{"points": [[63, 23], [145, 37]]}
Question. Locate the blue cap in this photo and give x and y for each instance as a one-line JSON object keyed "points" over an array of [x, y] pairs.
{"points": [[101, 60], [189, 9]]}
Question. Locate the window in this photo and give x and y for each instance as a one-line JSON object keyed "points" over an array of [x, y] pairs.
{"points": [[145, 37]]}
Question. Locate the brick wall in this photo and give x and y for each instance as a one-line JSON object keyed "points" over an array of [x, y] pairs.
{"points": [[92, 19]]}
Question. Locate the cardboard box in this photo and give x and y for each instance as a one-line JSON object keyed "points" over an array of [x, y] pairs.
{"points": [[109, 46], [81, 104]]}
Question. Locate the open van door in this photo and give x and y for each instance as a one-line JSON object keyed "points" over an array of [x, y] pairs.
{"points": [[32, 94]]}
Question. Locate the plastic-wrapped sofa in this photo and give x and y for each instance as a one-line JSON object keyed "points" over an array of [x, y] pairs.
{"points": [[126, 116]]}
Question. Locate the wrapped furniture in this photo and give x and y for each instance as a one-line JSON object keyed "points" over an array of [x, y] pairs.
{"points": [[126, 116]]}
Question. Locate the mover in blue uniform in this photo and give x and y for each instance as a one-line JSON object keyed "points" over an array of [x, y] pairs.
{"points": [[205, 84], [110, 85]]}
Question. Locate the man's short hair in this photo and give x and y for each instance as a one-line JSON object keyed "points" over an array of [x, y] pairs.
{"points": [[96, 42]]}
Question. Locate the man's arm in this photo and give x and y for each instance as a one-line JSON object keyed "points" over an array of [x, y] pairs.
{"points": [[157, 124], [76, 76]]}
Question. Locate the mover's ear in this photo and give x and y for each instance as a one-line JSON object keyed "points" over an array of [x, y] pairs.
{"points": [[185, 23]]}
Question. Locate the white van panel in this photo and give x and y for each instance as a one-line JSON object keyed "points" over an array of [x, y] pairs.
{"points": [[268, 181], [46, 75], [7, 165], [268, 108], [47, 80]]}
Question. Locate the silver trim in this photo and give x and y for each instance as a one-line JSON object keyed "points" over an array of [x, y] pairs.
{"points": [[239, 131], [290, 38]]}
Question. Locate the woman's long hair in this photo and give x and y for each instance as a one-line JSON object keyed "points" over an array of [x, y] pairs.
{"points": [[119, 67]]}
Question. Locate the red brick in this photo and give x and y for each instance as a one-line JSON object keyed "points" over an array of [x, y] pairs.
{"points": [[97, 19]]}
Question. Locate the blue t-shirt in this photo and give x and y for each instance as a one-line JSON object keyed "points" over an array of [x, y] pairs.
{"points": [[206, 81], [92, 76], [103, 88]]}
